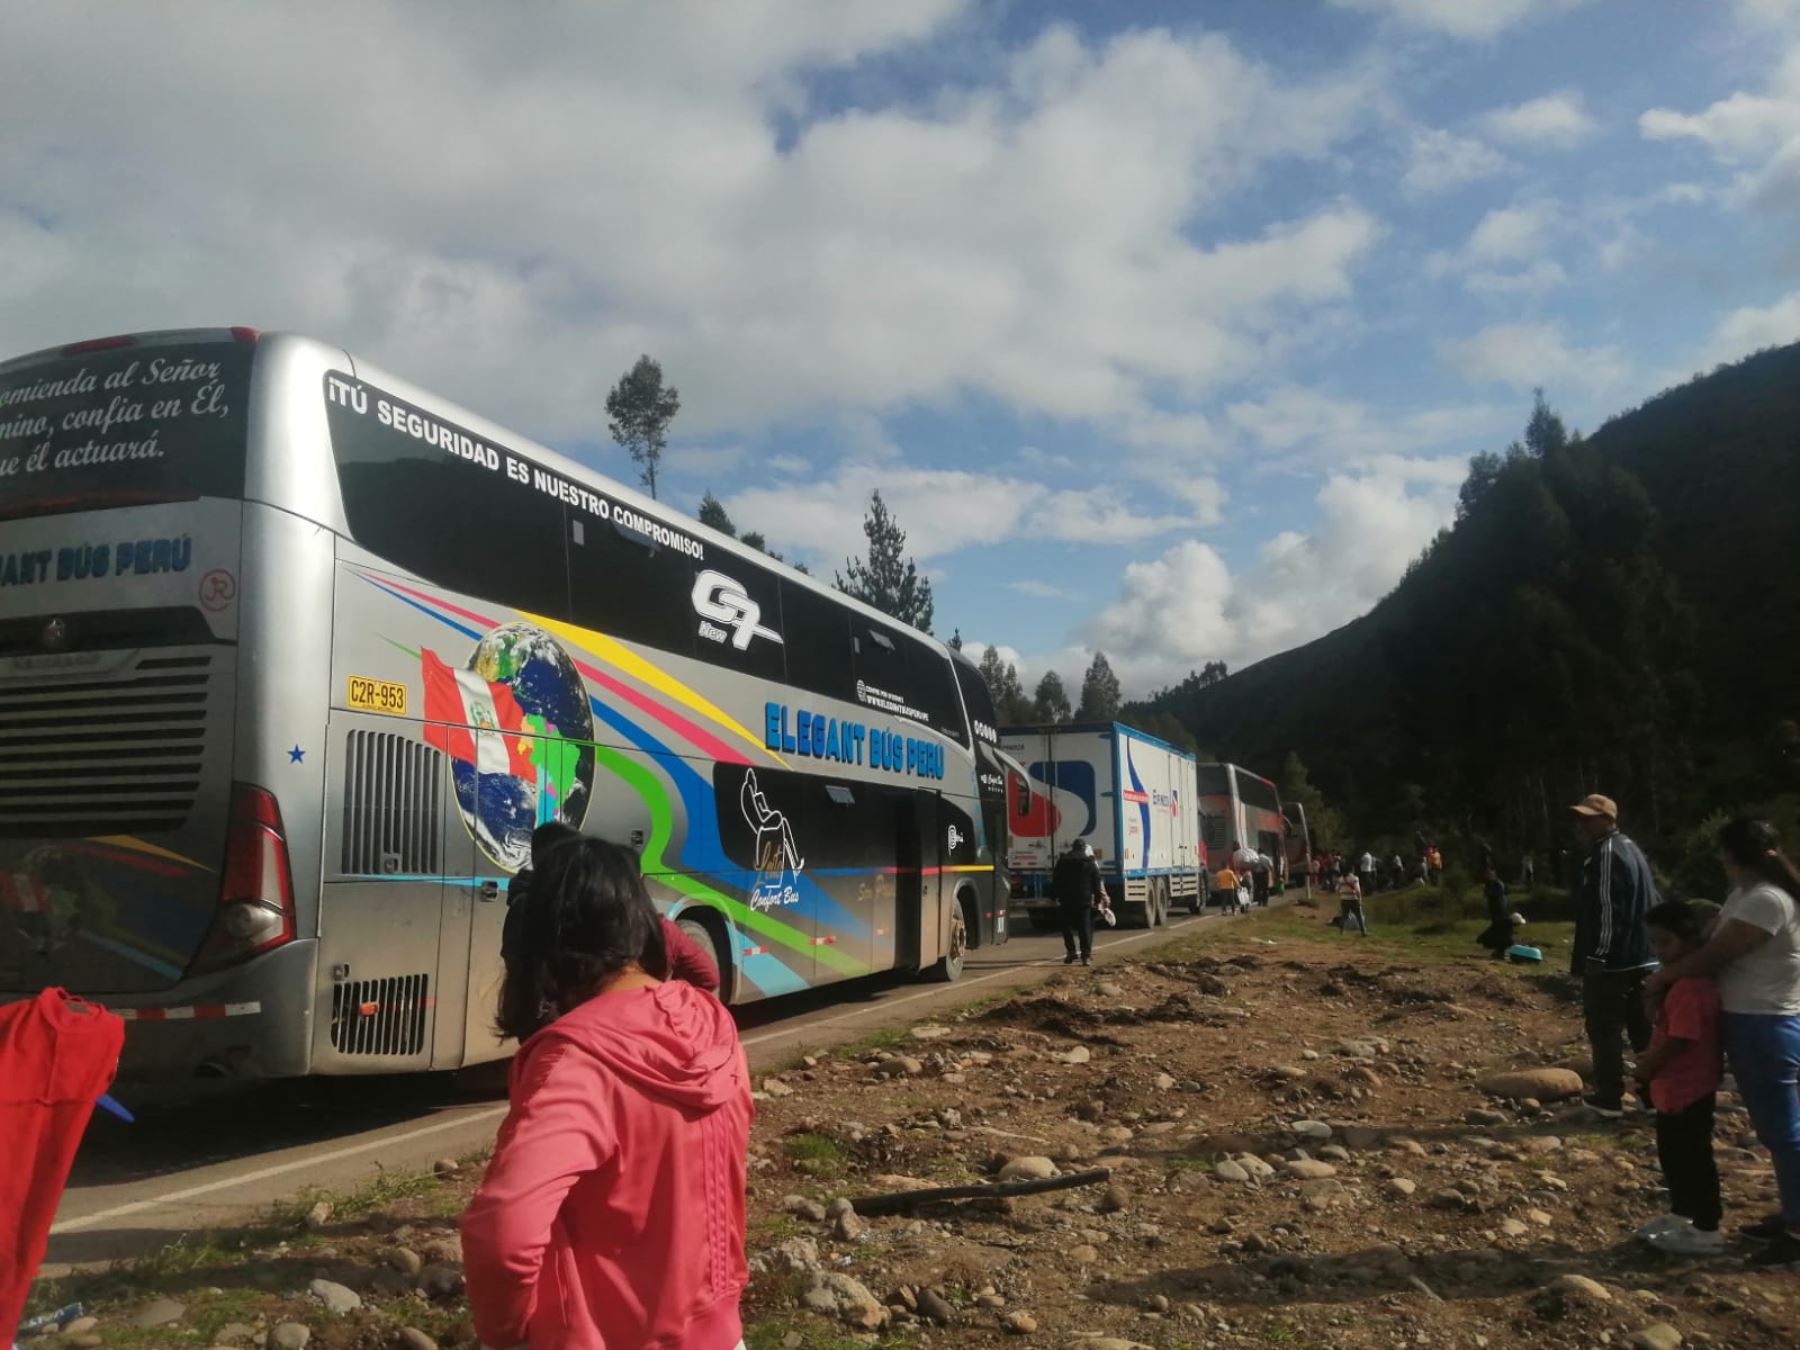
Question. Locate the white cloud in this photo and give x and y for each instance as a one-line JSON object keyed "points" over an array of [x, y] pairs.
{"points": [[1758, 135], [1750, 329], [1308, 426], [514, 214], [1541, 277], [1439, 161], [1503, 254], [1557, 121], [941, 510], [1039, 590], [1185, 608], [698, 461], [1461, 18], [1511, 233], [1207, 497], [1526, 355]]}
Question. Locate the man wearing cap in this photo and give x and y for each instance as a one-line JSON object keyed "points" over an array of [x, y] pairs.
{"points": [[1612, 948]]}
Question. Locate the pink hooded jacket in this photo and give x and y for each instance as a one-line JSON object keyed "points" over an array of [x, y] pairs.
{"points": [[612, 1214]]}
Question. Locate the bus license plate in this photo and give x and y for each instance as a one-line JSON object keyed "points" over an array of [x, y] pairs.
{"points": [[377, 696]]}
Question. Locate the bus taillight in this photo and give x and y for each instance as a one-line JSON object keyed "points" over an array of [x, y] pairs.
{"points": [[256, 889]]}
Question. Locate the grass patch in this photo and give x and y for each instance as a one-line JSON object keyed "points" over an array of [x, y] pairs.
{"points": [[818, 1155]]}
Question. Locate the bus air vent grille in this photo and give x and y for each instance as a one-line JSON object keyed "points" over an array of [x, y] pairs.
{"points": [[393, 803], [122, 753], [380, 1017]]}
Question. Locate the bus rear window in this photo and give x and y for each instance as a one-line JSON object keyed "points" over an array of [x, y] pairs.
{"points": [[151, 423]]}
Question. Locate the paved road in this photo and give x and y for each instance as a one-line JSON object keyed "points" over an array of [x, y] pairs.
{"points": [[222, 1159]]}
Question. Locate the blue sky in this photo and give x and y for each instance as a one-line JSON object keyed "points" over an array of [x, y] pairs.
{"points": [[1166, 328]]}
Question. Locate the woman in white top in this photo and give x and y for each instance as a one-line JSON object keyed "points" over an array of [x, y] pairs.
{"points": [[1754, 953]]}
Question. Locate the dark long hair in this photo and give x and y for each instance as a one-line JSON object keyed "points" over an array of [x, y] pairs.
{"points": [[1755, 846], [586, 918]]}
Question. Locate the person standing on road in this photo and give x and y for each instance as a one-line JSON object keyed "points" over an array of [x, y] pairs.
{"points": [[685, 959], [1365, 869], [1612, 955], [1498, 936], [612, 1211], [1679, 1076], [1350, 904], [1754, 951], [1079, 891], [1226, 884], [1259, 881]]}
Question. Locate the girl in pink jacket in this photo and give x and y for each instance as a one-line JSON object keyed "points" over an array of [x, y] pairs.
{"points": [[612, 1214]]}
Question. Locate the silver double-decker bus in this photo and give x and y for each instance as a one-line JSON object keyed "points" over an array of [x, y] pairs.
{"points": [[294, 656]]}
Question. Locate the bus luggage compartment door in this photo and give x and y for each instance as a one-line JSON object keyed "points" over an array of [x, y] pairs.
{"points": [[382, 905]]}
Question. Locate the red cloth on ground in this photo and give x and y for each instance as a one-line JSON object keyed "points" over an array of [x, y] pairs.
{"points": [[686, 960], [57, 1056], [1690, 1012], [612, 1213]]}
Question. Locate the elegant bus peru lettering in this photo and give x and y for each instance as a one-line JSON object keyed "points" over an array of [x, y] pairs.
{"points": [[84, 562], [816, 736]]}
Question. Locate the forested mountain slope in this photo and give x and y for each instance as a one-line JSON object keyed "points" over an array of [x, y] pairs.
{"points": [[1618, 613]]}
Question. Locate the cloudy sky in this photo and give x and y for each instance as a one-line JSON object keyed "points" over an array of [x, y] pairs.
{"points": [[1165, 327]]}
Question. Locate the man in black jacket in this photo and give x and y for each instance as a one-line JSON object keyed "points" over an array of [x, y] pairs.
{"points": [[1612, 949], [1076, 884]]}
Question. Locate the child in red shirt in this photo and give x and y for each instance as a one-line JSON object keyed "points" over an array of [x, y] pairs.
{"points": [[1680, 1075]]}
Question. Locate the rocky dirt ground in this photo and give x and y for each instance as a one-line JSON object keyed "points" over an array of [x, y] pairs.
{"points": [[1307, 1146]]}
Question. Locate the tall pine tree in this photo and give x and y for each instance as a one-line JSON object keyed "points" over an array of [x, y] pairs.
{"points": [[887, 578], [641, 407], [1052, 699], [712, 514], [1100, 694], [1002, 677]]}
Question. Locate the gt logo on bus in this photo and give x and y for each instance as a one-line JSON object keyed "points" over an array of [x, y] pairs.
{"points": [[722, 600]]}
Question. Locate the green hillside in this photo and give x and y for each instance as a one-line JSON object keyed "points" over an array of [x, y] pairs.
{"points": [[1618, 613]]}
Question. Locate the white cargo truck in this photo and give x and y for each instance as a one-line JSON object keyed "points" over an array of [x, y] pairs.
{"points": [[1134, 798]]}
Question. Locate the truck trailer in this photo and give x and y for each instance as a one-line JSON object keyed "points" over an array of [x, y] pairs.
{"points": [[1133, 798]]}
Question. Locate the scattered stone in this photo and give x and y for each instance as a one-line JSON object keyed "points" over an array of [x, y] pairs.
{"points": [[82, 1325], [290, 1336], [796, 1256], [1539, 1217], [934, 1308], [411, 1338], [930, 1031], [1400, 1186], [1363, 1074], [1310, 1169], [1401, 1144], [847, 1227], [1312, 1129], [1336, 1153], [1080, 1054], [1487, 1115], [1656, 1336], [1546, 1085], [1107, 989], [1020, 1323], [802, 1208], [440, 1281], [159, 1312], [1512, 1228], [1230, 1171], [1028, 1167], [319, 1215], [776, 1088], [405, 1260], [1116, 1200], [1448, 1199], [1084, 1255], [1165, 1082], [838, 1295], [445, 1168], [1323, 1194], [1361, 1136], [1580, 1287], [337, 1298]]}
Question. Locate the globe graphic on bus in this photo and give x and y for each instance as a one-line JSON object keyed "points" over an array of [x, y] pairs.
{"points": [[520, 738]]}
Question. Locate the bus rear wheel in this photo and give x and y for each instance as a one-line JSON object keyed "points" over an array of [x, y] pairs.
{"points": [[949, 967], [701, 934]]}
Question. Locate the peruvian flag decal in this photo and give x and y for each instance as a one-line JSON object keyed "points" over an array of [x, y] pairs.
{"points": [[473, 720]]}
